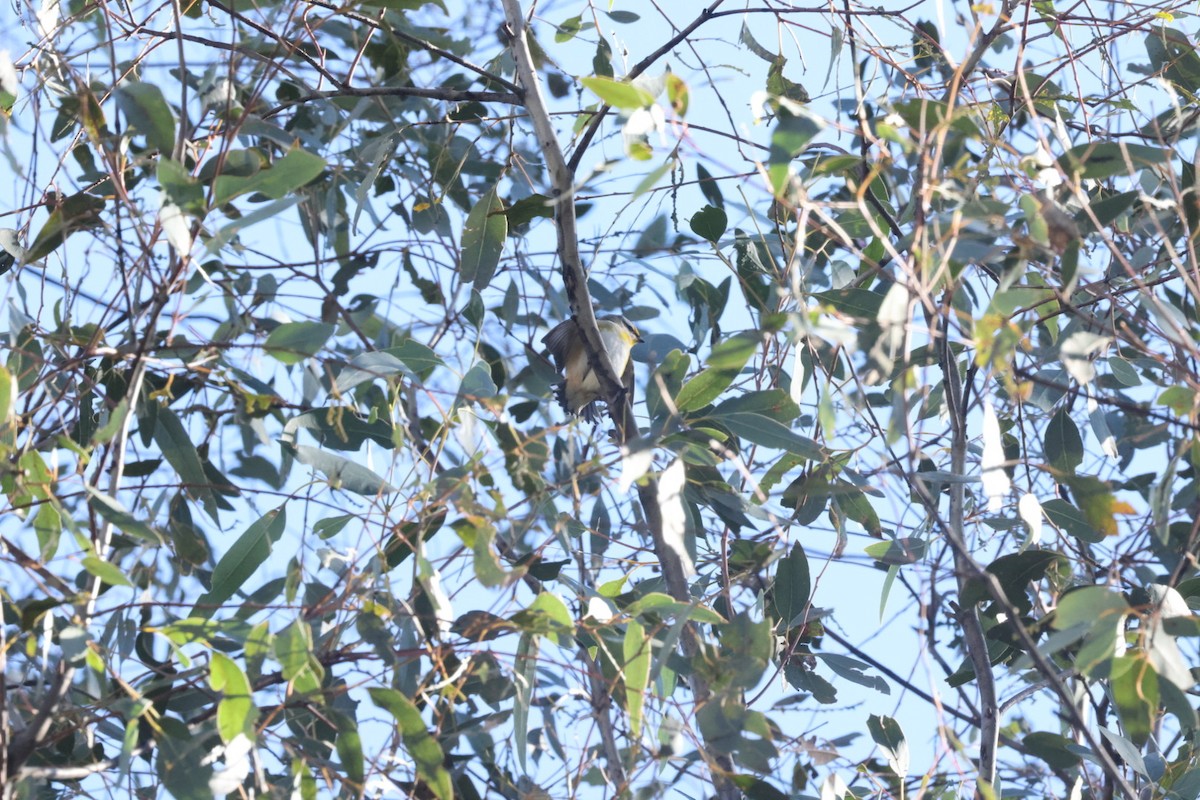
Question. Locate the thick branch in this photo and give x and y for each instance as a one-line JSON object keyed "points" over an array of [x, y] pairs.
{"points": [[562, 190], [965, 569]]}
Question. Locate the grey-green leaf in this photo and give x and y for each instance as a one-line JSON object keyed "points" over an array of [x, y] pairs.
{"points": [[1064, 445], [177, 446], [710, 223], [293, 342], [769, 433], [342, 472], [483, 240], [886, 733], [285, 176], [244, 557], [146, 109], [793, 584]]}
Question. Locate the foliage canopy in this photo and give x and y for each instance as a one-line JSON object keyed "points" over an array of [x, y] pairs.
{"points": [[903, 500]]}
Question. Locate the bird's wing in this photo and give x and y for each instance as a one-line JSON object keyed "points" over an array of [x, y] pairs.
{"points": [[558, 342]]}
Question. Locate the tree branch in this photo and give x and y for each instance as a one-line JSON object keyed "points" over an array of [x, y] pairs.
{"points": [[638, 68], [965, 568], [449, 95], [562, 181]]}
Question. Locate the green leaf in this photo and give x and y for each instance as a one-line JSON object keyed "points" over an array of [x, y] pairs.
{"points": [[791, 135], [116, 420], [1096, 160], [702, 389], [1171, 51], [678, 94], [663, 605], [483, 240], [302, 778], [296, 168], [858, 303], [236, 162], [181, 761], [1109, 209], [854, 671], [9, 391], [769, 433], [292, 342], [348, 745], [567, 29], [747, 38], [477, 384], [77, 212], [48, 525], [479, 534], [1007, 302], [555, 611], [792, 587], [783, 88], [773, 403], [1071, 520], [1124, 372], [709, 187], [897, 552], [527, 209], [1179, 399], [1053, 748], [526, 682], [618, 94], [734, 352], [146, 109], [747, 648], [426, 753], [1063, 444], [926, 53], [179, 450], [339, 428], [405, 5], [1125, 751], [724, 364], [886, 733], [293, 649], [1097, 502], [419, 357], [1135, 690], [602, 60], [245, 556], [236, 713], [710, 223], [1099, 613], [636, 671], [405, 536], [180, 187], [118, 515], [1014, 572], [105, 571], [852, 502]]}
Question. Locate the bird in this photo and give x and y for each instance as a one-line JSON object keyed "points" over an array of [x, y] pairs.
{"points": [[580, 388]]}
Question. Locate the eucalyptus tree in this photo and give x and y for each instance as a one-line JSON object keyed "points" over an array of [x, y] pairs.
{"points": [[901, 498]]}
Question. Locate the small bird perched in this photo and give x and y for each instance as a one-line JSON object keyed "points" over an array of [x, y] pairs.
{"points": [[580, 387]]}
